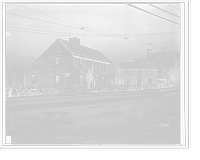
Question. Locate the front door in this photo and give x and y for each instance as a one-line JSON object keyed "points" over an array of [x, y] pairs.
{"points": [[57, 80]]}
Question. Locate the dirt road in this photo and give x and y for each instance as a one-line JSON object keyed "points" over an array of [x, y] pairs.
{"points": [[143, 118]]}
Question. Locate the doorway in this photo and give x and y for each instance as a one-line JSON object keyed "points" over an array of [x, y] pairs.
{"points": [[57, 80]]}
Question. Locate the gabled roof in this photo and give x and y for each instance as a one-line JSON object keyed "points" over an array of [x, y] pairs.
{"points": [[75, 49], [83, 51], [132, 65]]}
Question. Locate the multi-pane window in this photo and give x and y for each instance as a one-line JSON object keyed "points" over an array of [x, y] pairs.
{"points": [[149, 73], [104, 67], [57, 80], [81, 82], [57, 62], [81, 63], [139, 73], [33, 78]]}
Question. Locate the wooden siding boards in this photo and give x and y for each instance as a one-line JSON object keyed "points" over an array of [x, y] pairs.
{"points": [[122, 77], [45, 67], [97, 67]]}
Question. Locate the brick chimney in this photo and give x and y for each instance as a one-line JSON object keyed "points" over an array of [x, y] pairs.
{"points": [[74, 40]]}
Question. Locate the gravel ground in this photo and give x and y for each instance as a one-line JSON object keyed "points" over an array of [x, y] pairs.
{"points": [[143, 121]]}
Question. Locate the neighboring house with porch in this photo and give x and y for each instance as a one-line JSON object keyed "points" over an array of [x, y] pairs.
{"points": [[131, 73], [68, 63]]}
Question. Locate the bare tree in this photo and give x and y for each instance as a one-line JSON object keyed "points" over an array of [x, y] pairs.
{"points": [[159, 58], [89, 77], [173, 70]]}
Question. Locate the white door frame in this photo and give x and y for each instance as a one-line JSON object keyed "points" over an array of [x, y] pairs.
{"points": [[55, 80]]}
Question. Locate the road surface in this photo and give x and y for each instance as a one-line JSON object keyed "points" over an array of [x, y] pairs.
{"points": [[140, 118]]}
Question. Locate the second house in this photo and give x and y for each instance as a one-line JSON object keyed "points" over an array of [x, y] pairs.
{"points": [[136, 73], [68, 63]]}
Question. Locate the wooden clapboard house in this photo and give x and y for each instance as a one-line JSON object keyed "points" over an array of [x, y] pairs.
{"points": [[68, 63]]}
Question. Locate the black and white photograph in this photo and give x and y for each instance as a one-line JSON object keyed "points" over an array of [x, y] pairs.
{"points": [[95, 74]]}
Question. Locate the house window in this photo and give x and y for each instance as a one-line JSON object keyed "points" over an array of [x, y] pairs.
{"points": [[57, 62], [104, 67], [33, 79], [81, 80], [139, 73], [128, 72], [81, 63], [150, 81], [57, 80], [103, 81], [149, 73], [93, 65]]}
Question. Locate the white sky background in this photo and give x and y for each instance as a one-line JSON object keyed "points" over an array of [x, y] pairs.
{"points": [[120, 20]]}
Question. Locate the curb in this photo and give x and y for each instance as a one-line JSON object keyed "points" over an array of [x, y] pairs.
{"points": [[85, 94]]}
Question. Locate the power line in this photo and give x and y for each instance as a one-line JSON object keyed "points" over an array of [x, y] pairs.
{"points": [[68, 35], [153, 14], [130, 35], [105, 34], [50, 16], [174, 7], [114, 34], [82, 27], [167, 42], [135, 26], [18, 30], [41, 20], [164, 10]]}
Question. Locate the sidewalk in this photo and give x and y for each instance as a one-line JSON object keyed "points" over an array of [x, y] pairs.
{"points": [[84, 94]]}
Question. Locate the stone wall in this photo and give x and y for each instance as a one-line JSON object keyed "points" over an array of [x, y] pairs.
{"points": [[37, 90], [29, 91]]}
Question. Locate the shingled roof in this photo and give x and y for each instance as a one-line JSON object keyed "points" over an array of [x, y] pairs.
{"points": [[132, 65], [83, 51]]}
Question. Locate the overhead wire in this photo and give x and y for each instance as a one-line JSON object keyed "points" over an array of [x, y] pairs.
{"points": [[36, 19], [164, 10], [50, 16], [115, 34], [153, 14], [79, 28], [174, 7], [106, 34]]}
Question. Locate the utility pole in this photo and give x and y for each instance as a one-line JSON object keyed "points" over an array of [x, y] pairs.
{"points": [[146, 76]]}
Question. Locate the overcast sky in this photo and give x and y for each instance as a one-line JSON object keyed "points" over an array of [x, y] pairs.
{"points": [[117, 30]]}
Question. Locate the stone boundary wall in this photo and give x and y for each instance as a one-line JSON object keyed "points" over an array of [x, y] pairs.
{"points": [[37, 90]]}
